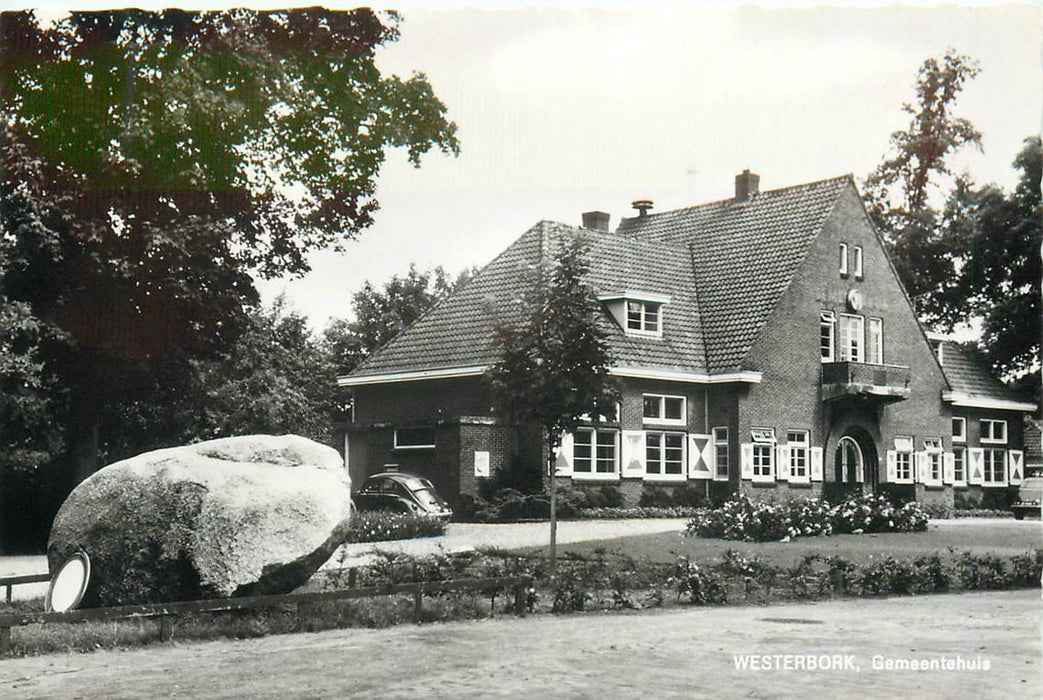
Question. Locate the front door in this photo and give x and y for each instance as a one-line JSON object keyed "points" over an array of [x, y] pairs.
{"points": [[849, 464]]}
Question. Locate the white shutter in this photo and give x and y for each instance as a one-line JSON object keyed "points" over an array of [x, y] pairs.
{"points": [[746, 465], [563, 462], [782, 464], [976, 466], [816, 463], [860, 472], [699, 457], [920, 472], [948, 468], [892, 466], [1015, 472], [709, 453], [634, 454]]}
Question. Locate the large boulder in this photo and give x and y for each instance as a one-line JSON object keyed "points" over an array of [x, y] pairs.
{"points": [[238, 516]]}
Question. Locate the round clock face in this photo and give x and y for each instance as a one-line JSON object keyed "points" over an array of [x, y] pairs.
{"points": [[855, 300]]}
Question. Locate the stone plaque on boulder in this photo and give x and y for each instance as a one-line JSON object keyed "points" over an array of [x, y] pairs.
{"points": [[249, 515]]}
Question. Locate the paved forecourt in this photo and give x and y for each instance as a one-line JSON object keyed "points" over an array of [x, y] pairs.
{"points": [[983, 645]]}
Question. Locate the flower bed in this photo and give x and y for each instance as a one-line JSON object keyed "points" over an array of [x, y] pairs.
{"points": [[751, 521]]}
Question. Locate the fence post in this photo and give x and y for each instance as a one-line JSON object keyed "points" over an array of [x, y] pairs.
{"points": [[351, 577], [418, 595], [5, 641], [166, 628], [9, 587]]}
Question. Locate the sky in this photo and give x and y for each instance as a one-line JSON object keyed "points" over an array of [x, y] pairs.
{"points": [[566, 107]]}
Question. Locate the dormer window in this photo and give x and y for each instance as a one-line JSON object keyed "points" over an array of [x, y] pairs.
{"points": [[643, 316], [637, 313]]}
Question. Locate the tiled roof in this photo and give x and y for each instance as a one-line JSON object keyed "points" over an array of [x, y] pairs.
{"points": [[458, 332], [724, 265], [744, 255], [966, 375]]}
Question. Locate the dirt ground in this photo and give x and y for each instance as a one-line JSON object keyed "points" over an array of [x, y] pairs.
{"points": [[687, 653]]}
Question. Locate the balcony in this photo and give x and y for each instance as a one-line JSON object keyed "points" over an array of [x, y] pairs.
{"points": [[875, 383]]}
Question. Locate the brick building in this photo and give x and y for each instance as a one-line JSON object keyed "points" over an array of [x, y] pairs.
{"points": [[763, 344]]}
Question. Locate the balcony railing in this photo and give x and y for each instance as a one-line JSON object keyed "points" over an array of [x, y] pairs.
{"points": [[879, 383]]}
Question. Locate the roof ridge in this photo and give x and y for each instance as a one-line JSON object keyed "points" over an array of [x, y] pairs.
{"points": [[721, 202]]}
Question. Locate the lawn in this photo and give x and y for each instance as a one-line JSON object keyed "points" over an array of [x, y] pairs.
{"points": [[999, 537]]}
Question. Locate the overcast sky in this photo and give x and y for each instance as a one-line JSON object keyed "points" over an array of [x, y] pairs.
{"points": [[564, 108]]}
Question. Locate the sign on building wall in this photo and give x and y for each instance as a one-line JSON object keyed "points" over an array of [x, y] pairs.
{"points": [[481, 464]]}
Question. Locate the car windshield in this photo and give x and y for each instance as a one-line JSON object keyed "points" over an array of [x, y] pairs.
{"points": [[428, 497]]}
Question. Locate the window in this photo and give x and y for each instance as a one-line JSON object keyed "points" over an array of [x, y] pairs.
{"points": [[959, 430], [414, 438], [763, 453], [858, 262], [993, 431], [995, 461], [876, 341], [852, 338], [594, 452], [720, 452], [903, 459], [959, 464], [664, 454], [827, 332], [643, 317], [798, 453], [843, 259], [933, 448], [664, 409]]}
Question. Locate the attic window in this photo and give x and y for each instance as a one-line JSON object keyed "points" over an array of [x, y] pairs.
{"points": [[637, 313], [644, 317]]}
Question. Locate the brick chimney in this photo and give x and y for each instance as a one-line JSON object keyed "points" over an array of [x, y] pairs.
{"points": [[596, 220], [747, 184]]}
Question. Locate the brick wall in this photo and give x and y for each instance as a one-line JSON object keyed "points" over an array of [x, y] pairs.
{"points": [[787, 350]]}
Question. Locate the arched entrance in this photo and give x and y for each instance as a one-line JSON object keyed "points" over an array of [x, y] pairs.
{"points": [[855, 466]]}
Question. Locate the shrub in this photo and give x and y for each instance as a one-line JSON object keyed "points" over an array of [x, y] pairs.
{"points": [[701, 586], [382, 526]]}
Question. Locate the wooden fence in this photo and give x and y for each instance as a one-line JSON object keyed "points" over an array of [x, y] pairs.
{"points": [[166, 611], [10, 582]]}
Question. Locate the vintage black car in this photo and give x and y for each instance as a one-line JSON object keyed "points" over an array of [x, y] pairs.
{"points": [[402, 492]]}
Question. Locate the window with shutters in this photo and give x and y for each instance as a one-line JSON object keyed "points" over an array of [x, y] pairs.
{"points": [[904, 458], [827, 335], [995, 462], [959, 430], [763, 452], [595, 452], [659, 408], [993, 431], [852, 338], [959, 464], [664, 454], [798, 452], [720, 452], [933, 449]]}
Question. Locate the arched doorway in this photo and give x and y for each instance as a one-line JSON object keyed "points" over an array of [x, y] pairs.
{"points": [[855, 462]]}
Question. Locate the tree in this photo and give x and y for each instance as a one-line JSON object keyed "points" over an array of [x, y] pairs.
{"points": [[1000, 235], [278, 379], [899, 193], [381, 314], [154, 161], [553, 366]]}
